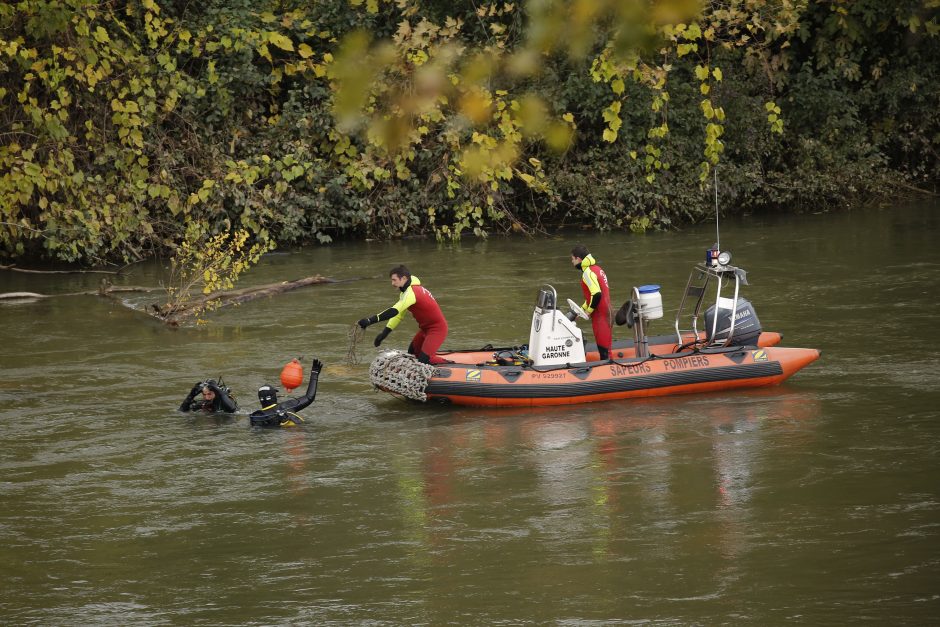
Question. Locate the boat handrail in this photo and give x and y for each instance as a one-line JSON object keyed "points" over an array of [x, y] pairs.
{"points": [[554, 299], [641, 342], [707, 273]]}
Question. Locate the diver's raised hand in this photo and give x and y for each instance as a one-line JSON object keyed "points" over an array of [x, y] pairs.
{"points": [[316, 367]]}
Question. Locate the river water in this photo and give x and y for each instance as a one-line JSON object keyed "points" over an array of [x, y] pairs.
{"points": [[816, 502]]}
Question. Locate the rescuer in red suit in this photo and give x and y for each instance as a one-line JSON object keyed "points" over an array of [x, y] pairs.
{"points": [[432, 326], [596, 298]]}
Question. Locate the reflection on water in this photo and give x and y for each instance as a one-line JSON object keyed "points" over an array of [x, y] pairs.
{"points": [[741, 507], [592, 467]]}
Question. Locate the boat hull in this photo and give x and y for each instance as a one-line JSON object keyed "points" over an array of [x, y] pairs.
{"points": [[621, 349], [681, 373]]}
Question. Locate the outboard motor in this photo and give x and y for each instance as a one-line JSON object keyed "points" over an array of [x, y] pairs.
{"points": [[746, 324], [553, 339]]}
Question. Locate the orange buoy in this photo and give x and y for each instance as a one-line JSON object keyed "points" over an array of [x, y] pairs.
{"points": [[292, 375]]}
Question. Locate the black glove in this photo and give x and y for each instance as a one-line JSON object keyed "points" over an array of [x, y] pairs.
{"points": [[571, 315], [316, 367], [367, 321], [381, 336], [196, 389], [212, 386]]}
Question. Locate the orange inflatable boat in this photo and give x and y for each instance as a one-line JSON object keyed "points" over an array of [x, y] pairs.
{"points": [[686, 372], [730, 351], [621, 349]]}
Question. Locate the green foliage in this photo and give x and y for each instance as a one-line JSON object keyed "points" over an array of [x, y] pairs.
{"points": [[203, 265], [123, 126]]}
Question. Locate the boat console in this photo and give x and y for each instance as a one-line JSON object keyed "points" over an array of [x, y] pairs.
{"points": [[553, 338]]}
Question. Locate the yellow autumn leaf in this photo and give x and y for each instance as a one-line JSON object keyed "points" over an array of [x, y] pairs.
{"points": [[281, 41], [707, 109]]}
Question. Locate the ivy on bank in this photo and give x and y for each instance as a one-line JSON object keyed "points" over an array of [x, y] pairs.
{"points": [[122, 123]]}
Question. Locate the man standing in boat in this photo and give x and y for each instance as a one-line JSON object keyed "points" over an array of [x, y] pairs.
{"points": [[432, 326], [596, 297]]}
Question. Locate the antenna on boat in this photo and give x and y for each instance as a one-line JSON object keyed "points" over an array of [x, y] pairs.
{"points": [[717, 231], [714, 256]]}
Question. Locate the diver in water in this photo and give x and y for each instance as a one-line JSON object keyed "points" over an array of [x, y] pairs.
{"points": [[274, 414], [216, 397]]}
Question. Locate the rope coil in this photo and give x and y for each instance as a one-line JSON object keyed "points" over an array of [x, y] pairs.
{"points": [[400, 373], [354, 337]]}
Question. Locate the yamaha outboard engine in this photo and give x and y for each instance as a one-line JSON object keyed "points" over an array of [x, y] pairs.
{"points": [[746, 324]]}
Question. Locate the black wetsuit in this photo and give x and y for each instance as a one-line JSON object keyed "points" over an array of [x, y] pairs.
{"points": [[282, 414], [221, 403]]}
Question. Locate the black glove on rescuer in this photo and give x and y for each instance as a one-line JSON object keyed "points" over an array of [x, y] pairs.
{"points": [[367, 321], [381, 336]]}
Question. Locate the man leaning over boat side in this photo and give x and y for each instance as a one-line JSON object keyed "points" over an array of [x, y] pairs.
{"points": [[432, 326]]}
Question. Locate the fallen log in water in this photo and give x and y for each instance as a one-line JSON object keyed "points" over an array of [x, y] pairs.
{"points": [[104, 289], [21, 295], [13, 268], [174, 315]]}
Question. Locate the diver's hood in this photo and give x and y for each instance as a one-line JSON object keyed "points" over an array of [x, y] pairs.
{"points": [[267, 395]]}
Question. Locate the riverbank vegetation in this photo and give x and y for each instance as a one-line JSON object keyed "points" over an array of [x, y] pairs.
{"points": [[123, 122]]}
